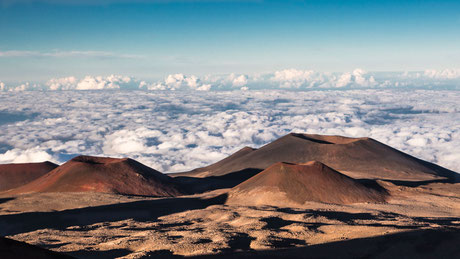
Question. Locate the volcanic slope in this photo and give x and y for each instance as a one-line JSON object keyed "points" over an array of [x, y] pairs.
{"points": [[356, 157], [102, 174], [222, 165], [285, 183], [15, 175]]}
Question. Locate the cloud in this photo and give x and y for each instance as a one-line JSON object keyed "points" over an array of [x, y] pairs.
{"points": [[25, 156], [86, 83], [175, 131], [110, 82], [357, 78], [282, 79], [65, 83], [430, 78], [417, 141], [93, 83], [442, 74], [18, 88], [292, 78], [180, 82], [123, 142], [287, 78], [238, 80]]}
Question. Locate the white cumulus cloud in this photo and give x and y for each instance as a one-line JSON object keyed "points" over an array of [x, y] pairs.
{"points": [[176, 131], [180, 82], [93, 83], [65, 83], [357, 78], [442, 74], [281, 79], [110, 82], [292, 78], [123, 142], [238, 81], [35, 154]]}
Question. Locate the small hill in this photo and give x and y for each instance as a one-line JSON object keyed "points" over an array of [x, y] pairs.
{"points": [[285, 183], [103, 174], [356, 157], [15, 175]]}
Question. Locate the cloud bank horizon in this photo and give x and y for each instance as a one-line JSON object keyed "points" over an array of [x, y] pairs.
{"points": [[281, 79]]}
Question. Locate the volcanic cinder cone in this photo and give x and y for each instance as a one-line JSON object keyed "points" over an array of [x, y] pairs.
{"points": [[355, 157], [285, 184], [15, 175], [101, 174]]}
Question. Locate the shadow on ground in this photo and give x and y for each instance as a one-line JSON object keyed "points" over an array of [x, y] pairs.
{"points": [[148, 210], [96, 254], [413, 243], [427, 243], [422, 183], [2, 200], [199, 185], [19, 250]]}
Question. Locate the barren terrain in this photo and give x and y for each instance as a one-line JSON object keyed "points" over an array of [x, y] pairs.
{"points": [[243, 206], [89, 225]]}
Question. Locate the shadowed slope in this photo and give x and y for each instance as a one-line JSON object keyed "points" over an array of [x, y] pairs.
{"points": [[421, 243], [15, 175], [14, 249], [100, 174], [224, 164], [141, 210], [355, 157], [284, 183]]}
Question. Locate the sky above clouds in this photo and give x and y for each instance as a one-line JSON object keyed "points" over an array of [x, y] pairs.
{"points": [[149, 40], [208, 77]]}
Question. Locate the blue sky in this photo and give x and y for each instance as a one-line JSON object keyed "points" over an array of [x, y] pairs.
{"points": [[40, 39]]}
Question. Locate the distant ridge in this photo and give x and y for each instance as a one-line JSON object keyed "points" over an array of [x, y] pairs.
{"points": [[355, 157], [15, 175], [103, 174], [286, 183]]}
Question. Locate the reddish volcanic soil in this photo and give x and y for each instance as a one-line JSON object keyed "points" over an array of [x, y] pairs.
{"points": [[355, 157], [107, 175], [15, 175], [299, 196], [285, 183]]}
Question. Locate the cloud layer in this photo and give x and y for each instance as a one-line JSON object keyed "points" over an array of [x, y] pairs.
{"points": [[174, 131], [282, 79]]}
